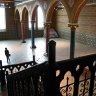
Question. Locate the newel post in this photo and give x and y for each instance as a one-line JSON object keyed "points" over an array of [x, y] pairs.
{"points": [[2, 76], [52, 68]]}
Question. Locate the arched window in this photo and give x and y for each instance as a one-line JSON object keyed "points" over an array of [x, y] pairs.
{"points": [[29, 20], [40, 18], [2, 19]]}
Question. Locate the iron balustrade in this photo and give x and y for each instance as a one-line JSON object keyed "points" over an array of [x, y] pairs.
{"points": [[28, 82], [10, 69], [76, 77]]}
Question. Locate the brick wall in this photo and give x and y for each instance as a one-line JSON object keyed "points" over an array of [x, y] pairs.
{"points": [[10, 30], [87, 26], [86, 32], [61, 23]]}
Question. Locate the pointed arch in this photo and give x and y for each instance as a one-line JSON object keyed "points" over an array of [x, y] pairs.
{"points": [[51, 9], [76, 11], [34, 8], [35, 16], [17, 15], [24, 13]]}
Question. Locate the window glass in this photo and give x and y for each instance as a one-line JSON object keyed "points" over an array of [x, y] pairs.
{"points": [[40, 18], [29, 23], [2, 19]]}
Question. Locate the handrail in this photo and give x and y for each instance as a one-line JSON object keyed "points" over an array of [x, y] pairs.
{"points": [[26, 81], [12, 69]]}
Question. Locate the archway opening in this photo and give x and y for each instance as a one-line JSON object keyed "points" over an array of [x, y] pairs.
{"points": [[40, 18], [17, 24], [25, 23]]}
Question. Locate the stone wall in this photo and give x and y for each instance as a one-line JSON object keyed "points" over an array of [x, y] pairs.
{"points": [[10, 30], [86, 32]]}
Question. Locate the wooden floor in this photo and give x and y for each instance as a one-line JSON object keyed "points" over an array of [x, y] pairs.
{"points": [[22, 52]]}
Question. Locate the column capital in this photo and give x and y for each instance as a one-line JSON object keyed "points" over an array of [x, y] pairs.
{"points": [[23, 21], [73, 25], [33, 21], [47, 24]]}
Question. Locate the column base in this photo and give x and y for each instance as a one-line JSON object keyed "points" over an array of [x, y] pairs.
{"points": [[23, 41], [46, 54], [33, 47]]}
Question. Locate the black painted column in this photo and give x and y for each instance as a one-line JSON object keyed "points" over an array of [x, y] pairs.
{"points": [[16, 27], [72, 40], [33, 34]]}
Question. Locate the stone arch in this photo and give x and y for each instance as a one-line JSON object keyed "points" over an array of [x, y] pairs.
{"points": [[76, 11], [51, 9], [17, 15], [34, 12], [33, 16], [24, 13], [33, 9]]}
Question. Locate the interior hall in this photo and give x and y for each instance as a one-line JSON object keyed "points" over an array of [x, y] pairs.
{"points": [[41, 32]]}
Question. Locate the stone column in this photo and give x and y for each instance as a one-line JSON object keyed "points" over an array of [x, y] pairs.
{"points": [[32, 34], [23, 31], [36, 20], [47, 31], [16, 27], [72, 39]]}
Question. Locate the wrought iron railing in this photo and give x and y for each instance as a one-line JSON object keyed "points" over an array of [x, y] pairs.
{"points": [[76, 76], [28, 82], [10, 69], [17, 67]]}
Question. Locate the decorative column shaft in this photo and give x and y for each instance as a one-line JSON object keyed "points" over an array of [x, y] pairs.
{"points": [[32, 34], [36, 20], [23, 31], [16, 27], [72, 40], [47, 30]]}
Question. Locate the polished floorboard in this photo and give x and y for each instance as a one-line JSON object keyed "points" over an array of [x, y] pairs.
{"points": [[22, 52]]}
